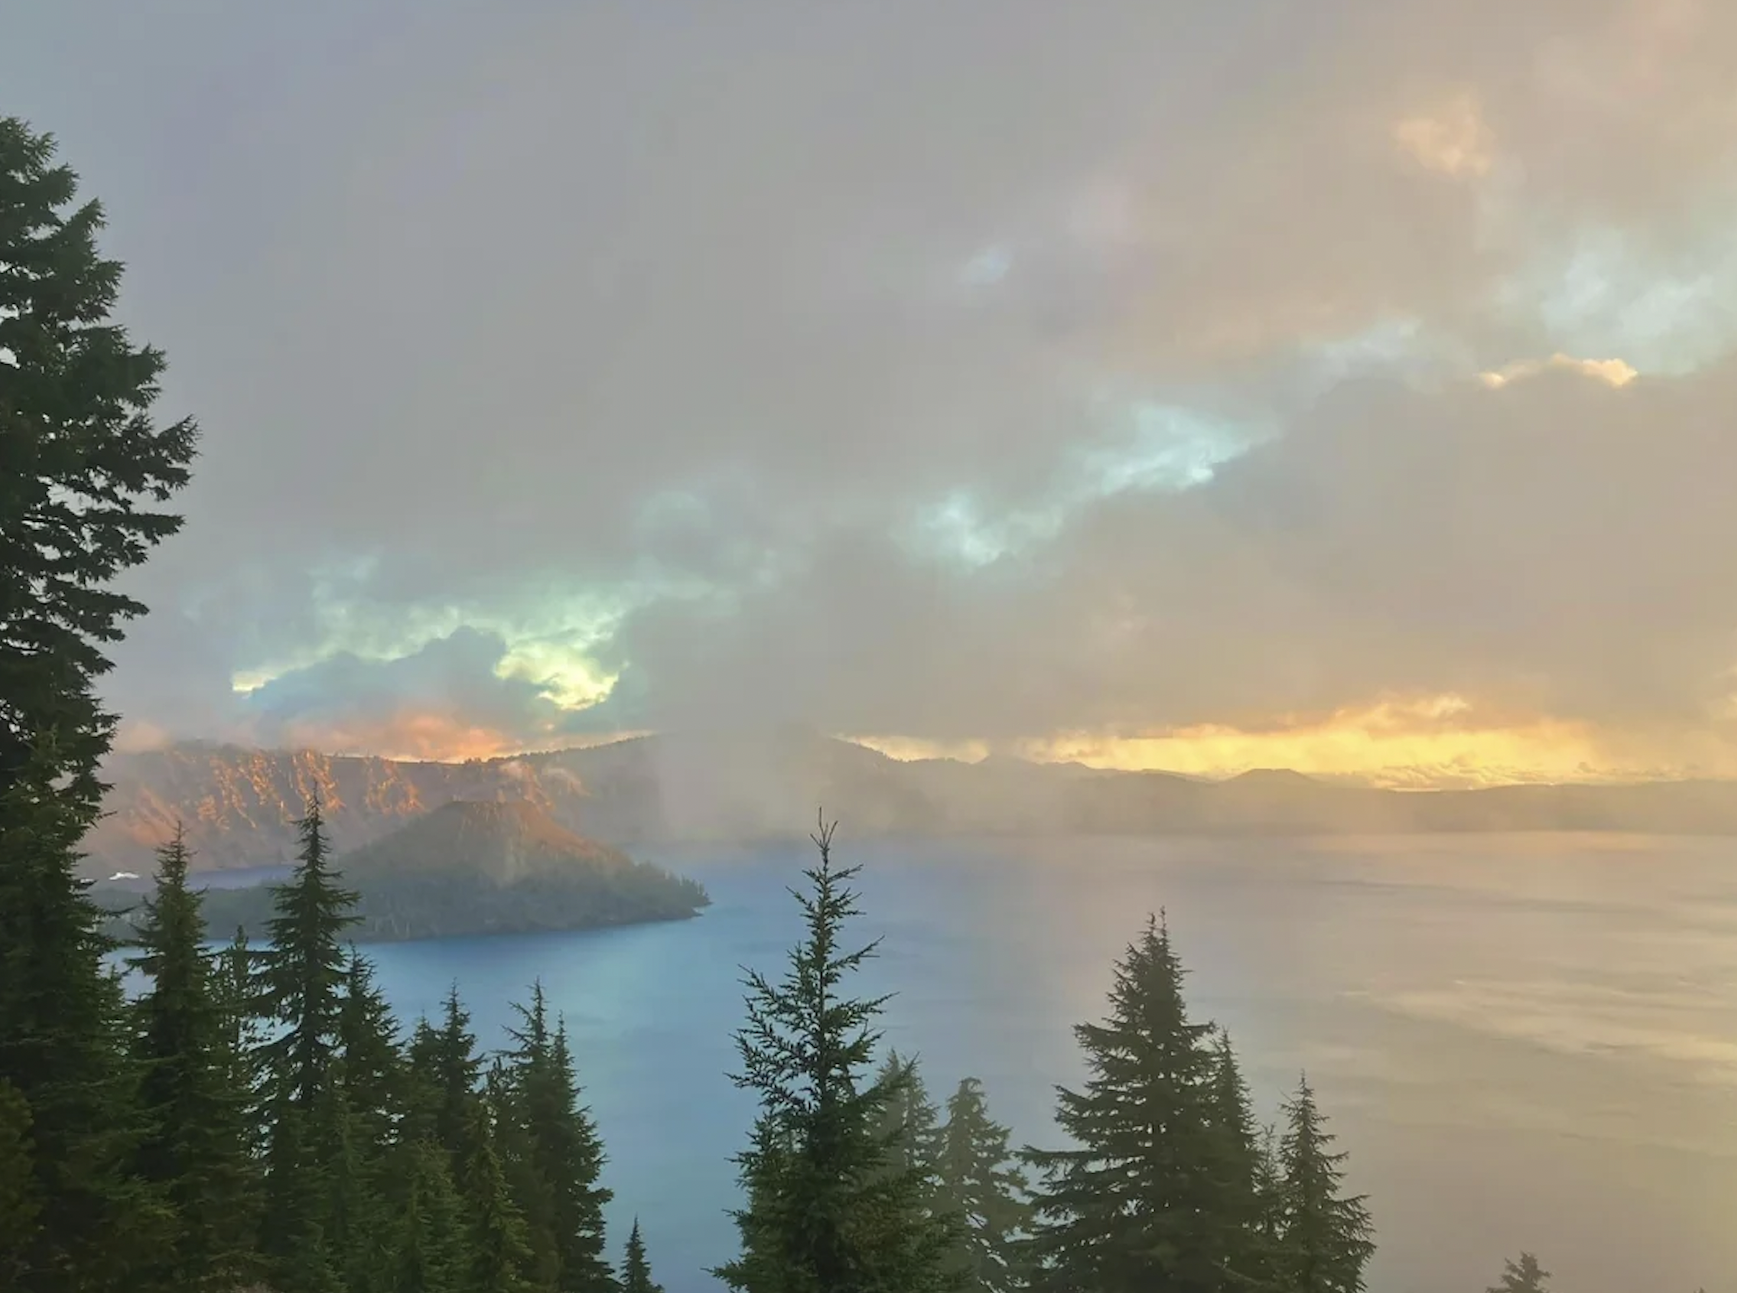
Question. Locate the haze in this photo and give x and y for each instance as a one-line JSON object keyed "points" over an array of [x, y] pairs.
{"points": [[1343, 386]]}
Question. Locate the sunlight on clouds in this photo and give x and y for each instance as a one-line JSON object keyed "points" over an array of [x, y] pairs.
{"points": [[560, 669], [1613, 372], [1453, 140]]}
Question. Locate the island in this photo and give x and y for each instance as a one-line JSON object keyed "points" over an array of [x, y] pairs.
{"points": [[465, 868]]}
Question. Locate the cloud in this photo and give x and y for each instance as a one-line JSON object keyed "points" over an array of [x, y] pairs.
{"points": [[958, 375]]}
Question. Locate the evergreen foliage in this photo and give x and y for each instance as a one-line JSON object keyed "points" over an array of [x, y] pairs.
{"points": [[908, 1120], [824, 1214], [1140, 1203], [553, 1154], [195, 1148], [1326, 1236], [64, 1051], [305, 969], [636, 1270], [83, 463], [981, 1185], [1523, 1276], [19, 1209], [498, 1250]]}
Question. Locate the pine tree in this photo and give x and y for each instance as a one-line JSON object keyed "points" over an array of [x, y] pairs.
{"points": [[1139, 1204], [1269, 1224], [63, 1050], [636, 1270], [370, 1061], [451, 1068], [19, 1210], [196, 1145], [81, 454], [1523, 1276], [302, 983], [235, 993], [305, 969], [427, 1255], [498, 1251], [982, 1186], [822, 1212], [908, 1118], [1326, 1239], [1236, 1185], [553, 1154]]}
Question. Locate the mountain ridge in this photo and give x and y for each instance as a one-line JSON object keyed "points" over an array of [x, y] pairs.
{"points": [[239, 805]]}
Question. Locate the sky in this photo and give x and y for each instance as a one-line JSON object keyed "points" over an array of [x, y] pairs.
{"points": [[1344, 385]]}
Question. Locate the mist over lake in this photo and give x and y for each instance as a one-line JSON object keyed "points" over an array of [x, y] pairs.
{"points": [[1523, 1041]]}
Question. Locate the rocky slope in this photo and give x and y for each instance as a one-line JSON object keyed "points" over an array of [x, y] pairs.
{"points": [[239, 806]]}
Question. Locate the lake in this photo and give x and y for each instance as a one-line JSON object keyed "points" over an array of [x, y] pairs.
{"points": [[1524, 1042]]}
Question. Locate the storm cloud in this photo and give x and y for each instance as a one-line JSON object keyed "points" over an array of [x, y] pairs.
{"points": [[952, 372]]}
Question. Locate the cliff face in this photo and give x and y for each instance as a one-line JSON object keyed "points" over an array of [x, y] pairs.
{"points": [[239, 806]]}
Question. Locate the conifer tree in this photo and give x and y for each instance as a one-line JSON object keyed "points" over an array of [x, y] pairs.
{"points": [[19, 1210], [982, 1186], [63, 1050], [370, 1062], [553, 1154], [1236, 1185], [451, 1070], [1327, 1238], [235, 992], [195, 1147], [80, 454], [908, 1119], [822, 1211], [636, 1270], [497, 1249], [302, 983], [427, 1255], [1138, 1205], [305, 969], [1523, 1276], [1269, 1224]]}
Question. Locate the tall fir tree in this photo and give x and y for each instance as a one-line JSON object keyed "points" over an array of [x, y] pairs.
{"points": [[553, 1154], [983, 1187], [235, 990], [370, 1060], [823, 1214], [196, 1144], [426, 1232], [1327, 1236], [451, 1072], [302, 992], [19, 1209], [497, 1249], [81, 455], [63, 1049], [1236, 1185], [1139, 1203], [1523, 1276], [84, 470], [304, 972], [636, 1269], [908, 1119]]}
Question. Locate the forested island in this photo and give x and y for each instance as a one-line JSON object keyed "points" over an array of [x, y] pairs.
{"points": [[463, 869]]}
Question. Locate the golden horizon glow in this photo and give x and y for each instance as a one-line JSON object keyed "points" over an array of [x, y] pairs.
{"points": [[1429, 743]]}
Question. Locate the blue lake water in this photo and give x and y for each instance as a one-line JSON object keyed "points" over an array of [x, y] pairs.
{"points": [[1524, 1042]]}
